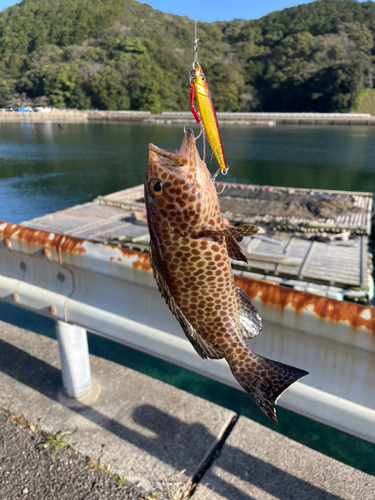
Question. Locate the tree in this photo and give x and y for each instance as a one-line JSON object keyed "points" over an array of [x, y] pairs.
{"points": [[109, 90]]}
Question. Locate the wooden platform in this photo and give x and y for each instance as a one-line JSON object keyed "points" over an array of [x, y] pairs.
{"points": [[326, 256]]}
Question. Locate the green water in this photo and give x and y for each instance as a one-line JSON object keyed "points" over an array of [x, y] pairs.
{"points": [[44, 168]]}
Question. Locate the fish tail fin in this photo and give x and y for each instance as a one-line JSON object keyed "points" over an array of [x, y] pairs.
{"points": [[264, 380]]}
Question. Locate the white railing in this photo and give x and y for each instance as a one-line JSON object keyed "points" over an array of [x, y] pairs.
{"points": [[85, 285]]}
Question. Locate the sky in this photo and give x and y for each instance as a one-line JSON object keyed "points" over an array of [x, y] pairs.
{"points": [[212, 10], [222, 10]]}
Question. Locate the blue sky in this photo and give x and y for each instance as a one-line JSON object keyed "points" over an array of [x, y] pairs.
{"points": [[212, 10], [222, 10], [6, 3]]}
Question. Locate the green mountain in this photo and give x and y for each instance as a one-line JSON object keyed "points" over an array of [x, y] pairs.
{"points": [[120, 54]]}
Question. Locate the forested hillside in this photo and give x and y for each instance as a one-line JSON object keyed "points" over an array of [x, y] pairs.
{"points": [[120, 54]]}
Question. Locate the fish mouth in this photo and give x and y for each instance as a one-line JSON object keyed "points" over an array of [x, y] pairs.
{"points": [[178, 155]]}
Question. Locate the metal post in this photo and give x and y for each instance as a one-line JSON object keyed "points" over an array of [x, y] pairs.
{"points": [[74, 356]]}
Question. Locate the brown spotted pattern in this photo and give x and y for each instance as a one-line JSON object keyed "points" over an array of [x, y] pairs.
{"points": [[194, 272]]}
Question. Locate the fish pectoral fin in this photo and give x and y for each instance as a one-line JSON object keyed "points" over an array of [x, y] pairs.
{"points": [[250, 320], [208, 234], [239, 232], [203, 348], [236, 232], [234, 250]]}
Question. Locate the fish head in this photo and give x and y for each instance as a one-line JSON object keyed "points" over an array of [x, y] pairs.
{"points": [[178, 188]]}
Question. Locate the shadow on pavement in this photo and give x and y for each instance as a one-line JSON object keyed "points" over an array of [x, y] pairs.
{"points": [[173, 438]]}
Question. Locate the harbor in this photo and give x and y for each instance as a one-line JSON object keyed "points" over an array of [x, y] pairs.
{"points": [[85, 268], [193, 323], [88, 268]]}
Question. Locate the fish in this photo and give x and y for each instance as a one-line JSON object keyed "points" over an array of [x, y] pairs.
{"points": [[199, 88], [190, 252]]}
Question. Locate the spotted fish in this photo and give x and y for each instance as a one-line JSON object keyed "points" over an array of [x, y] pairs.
{"points": [[190, 251]]}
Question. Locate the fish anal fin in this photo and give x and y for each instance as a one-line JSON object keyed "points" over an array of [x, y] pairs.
{"points": [[250, 320], [208, 349], [203, 348], [234, 249]]}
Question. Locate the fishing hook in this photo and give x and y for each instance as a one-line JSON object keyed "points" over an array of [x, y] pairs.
{"points": [[214, 179], [201, 132], [222, 191]]}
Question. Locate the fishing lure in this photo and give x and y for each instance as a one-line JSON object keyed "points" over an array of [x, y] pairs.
{"points": [[207, 115]]}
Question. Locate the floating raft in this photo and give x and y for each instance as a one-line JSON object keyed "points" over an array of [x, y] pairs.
{"points": [[319, 244]]}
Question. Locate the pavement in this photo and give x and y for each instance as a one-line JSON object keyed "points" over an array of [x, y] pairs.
{"points": [[28, 472], [156, 438]]}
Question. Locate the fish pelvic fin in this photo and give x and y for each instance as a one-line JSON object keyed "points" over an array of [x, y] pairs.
{"points": [[202, 347], [265, 380], [249, 318]]}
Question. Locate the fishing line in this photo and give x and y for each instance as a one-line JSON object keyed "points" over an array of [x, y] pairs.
{"points": [[204, 143]]}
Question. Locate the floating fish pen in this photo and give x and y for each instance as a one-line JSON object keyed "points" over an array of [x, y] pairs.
{"points": [[312, 240]]}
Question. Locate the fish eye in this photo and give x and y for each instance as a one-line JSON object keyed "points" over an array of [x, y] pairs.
{"points": [[202, 77], [157, 188]]}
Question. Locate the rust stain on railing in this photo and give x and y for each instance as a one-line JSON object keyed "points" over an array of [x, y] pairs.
{"points": [[65, 244], [143, 260], [279, 296], [44, 239], [270, 294]]}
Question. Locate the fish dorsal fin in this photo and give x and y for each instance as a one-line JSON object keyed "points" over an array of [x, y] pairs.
{"points": [[203, 348], [250, 321]]}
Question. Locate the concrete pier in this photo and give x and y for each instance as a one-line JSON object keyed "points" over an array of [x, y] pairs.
{"points": [[186, 118], [149, 431]]}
